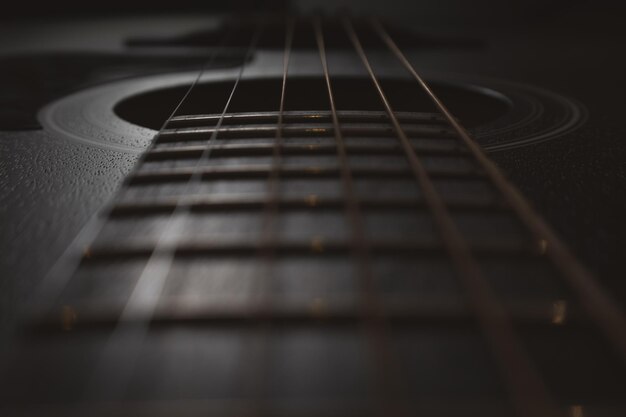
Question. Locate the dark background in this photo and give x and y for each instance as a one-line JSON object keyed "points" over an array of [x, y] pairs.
{"points": [[492, 12]]}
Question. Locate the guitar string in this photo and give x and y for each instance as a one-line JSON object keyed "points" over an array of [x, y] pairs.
{"points": [[528, 392], [274, 176], [551, 252], [267, 253], [57, 279], [598, 303], [116, 364], [374, 323], [171, 232]]}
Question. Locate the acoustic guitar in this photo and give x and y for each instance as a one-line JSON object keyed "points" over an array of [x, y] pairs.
{"points": [[299, 215]]}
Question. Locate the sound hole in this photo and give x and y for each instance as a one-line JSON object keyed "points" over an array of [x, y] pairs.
{"points": [[150, 109]]}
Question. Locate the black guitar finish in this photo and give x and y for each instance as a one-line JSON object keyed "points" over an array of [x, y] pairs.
{"points": [[549, 115]]}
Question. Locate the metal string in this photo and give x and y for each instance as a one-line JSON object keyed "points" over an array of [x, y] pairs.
{"points": [[60, 274], [528, 391], [369, 304], [598, 303], [273, 192], [268, 237], [116, 363]]}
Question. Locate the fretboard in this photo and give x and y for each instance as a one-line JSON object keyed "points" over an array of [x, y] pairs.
{"points": [[324, 262], [263, 253], [226, 216]]}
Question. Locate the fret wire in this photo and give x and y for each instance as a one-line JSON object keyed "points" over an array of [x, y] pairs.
{"points": [[596, 300], [112, 374], [199, 203], [374, 322], [334, 247], [300, 130], [174, 310], [183, 175], [268, 235], [307, 115], [528, 391], [233, 407], [228, 151]]}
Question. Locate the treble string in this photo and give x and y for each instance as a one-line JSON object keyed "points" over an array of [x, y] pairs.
{"points": [[268, 229], [258, 369], [116, 364], [57, 279], [528, 391]]}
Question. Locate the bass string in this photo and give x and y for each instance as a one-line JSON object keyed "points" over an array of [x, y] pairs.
{"points": [[527, 390], [116, 363], [144, 297], [387, 382], [57, 279]]}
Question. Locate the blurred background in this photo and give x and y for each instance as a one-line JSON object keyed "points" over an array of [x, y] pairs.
{"points": [[462, 12]]}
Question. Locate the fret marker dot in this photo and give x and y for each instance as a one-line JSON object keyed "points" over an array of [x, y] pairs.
{"points": [[317, 245], [543, 246], [577, 411], [318, 307], [312, 200], [559, 312], [68, 318]]}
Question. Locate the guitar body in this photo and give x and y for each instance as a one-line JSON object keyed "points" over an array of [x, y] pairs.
{"points": [[544, 103]]}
